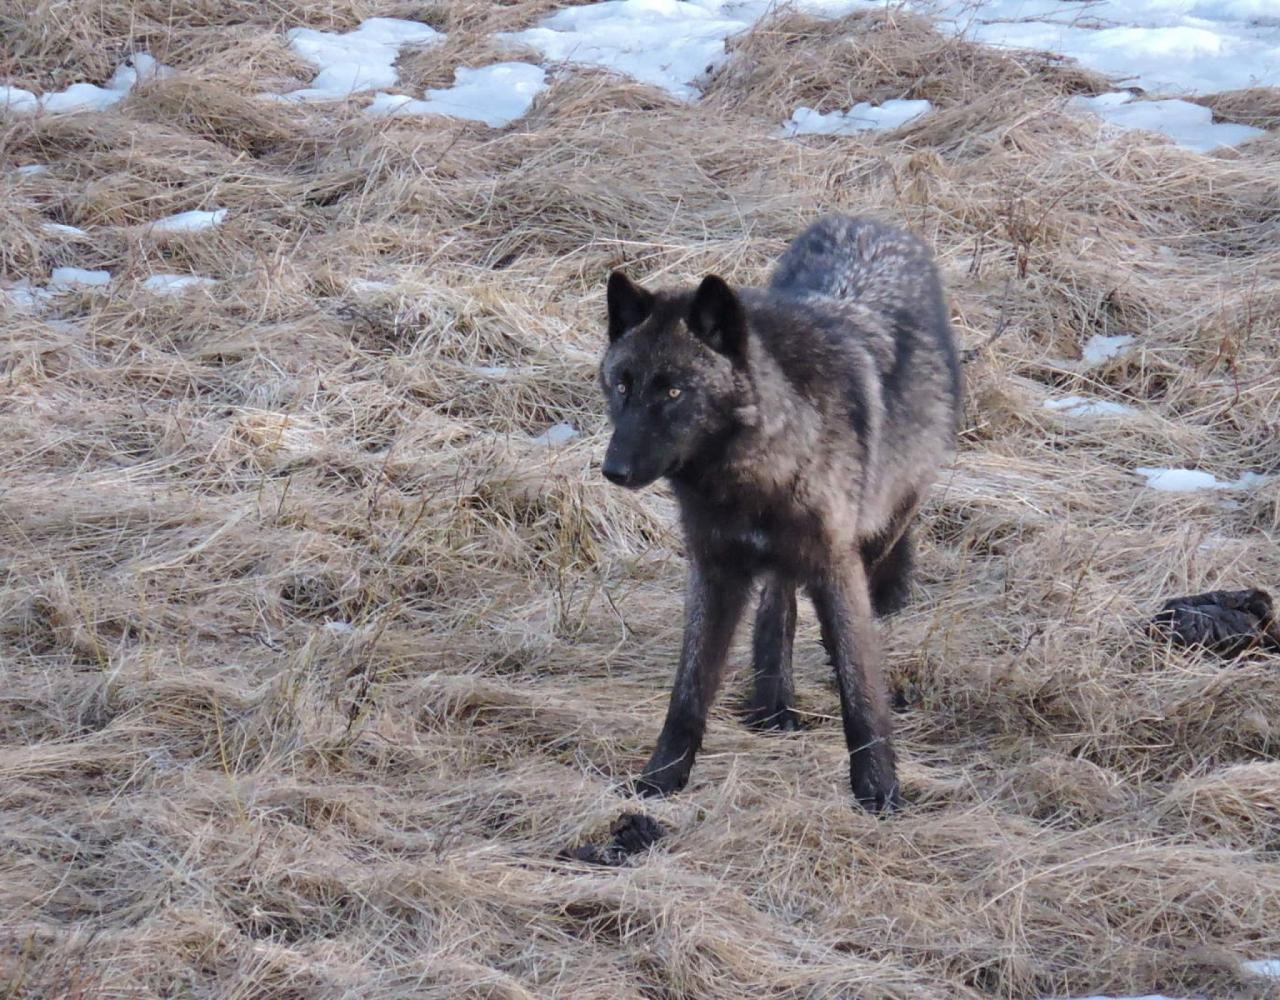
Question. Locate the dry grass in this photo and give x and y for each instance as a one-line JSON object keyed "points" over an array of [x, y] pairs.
{"points": [[313, 662]]}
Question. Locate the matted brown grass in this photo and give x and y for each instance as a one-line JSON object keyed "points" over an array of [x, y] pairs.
{"points": [[314, 661]]}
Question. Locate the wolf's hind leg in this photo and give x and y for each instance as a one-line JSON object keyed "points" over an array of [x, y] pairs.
{"points": [[891, 575], [772, 703], [843, 604]]}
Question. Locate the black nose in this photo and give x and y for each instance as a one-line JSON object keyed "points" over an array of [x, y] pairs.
{"points": [[618, 473]]}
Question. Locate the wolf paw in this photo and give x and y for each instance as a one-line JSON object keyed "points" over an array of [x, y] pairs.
{"points": [[773, 718], [644, 787], [659, 781], [877, 795]]}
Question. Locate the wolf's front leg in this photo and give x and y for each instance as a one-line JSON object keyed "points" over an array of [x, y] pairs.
{"points": [[713, 605], [843, 604]]}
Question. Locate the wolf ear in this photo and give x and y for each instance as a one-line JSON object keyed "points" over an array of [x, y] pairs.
{"points": [[717, 319], [629, 304]]}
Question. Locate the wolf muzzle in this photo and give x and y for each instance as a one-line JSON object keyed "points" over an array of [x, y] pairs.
{"points": [[623, 466]]}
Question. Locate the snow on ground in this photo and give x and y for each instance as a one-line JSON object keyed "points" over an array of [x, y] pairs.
{"points": [[1166, 46], [1098, 348], [1082, 406], [1169, 46], [171, 284], [1147, 996], [1191, 480], [556, 434], [31, 169], [669, 43], [87, 96], [29, 297], [1179, 47], [1189, 125], [17, 101], [370, 286], [859, 118], [361, 59], [25, 296], [58, 229], [496, 95], [81, 97], [1269, 967], [141, 67], [189, 222], [64, 278]]}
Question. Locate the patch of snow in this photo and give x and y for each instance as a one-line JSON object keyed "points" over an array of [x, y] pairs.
{"points": [[669, 43], [58, 229], [18, 101], [663, 42], [31, 169], [81, 97], [1081, 406], [188, 222], [397, 104], [139, 67], [340, 628], [496, 95], [1098, 348], [367, 285], [1269, 967], [170, 284], [1191, 126], [491, 371], [63, 278], [361, 59], [1173, 46], [860, 118], [556, 434], [32, 298], [1146, 996], [26, 296], [1191, 480]]}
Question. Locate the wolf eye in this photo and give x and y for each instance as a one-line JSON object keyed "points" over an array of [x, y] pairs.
{"points": [[622, 388], [673, 392]]}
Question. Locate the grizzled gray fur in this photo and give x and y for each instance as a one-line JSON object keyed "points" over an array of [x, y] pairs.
{"points": [[799, 426]]}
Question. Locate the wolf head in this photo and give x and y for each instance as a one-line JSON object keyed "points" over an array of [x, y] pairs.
{"points": [[670, 376]]}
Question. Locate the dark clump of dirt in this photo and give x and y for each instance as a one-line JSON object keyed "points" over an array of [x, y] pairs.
{"points": [[1226, 622], [630, 834]]}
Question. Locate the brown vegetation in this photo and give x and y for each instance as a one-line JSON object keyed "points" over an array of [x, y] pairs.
{"points": [[314, 661]]}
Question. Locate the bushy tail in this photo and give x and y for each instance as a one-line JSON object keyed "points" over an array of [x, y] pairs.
{"points": [[844, 257]]}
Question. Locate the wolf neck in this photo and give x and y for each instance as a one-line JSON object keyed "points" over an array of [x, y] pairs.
{"points": [[765, 449]]}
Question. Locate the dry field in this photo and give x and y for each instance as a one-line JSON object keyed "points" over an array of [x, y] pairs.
{"points": [[314, 659]]}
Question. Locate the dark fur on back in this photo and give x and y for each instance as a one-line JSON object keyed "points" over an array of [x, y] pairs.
{"points": [[799, 425]]}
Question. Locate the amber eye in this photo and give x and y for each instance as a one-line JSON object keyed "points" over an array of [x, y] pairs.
{"points": [[673, 392]]}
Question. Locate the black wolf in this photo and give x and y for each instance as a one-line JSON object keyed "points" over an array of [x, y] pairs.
{"points": [[799, 426]]}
